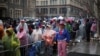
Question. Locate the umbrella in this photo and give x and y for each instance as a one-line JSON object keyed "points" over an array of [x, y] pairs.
{"points": [[69, 19], [55, 18], [60, 18]]}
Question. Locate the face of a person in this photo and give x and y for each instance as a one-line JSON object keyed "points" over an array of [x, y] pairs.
{"points": [[22, 22], [61, 26]]}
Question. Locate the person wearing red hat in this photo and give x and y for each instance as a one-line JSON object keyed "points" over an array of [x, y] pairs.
{"points": [[62, 38]]}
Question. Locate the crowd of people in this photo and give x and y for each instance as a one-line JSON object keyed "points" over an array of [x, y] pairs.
{"points": [[54, 33]]}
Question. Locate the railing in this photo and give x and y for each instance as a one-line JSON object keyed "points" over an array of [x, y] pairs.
{"points": [[32, 49]]}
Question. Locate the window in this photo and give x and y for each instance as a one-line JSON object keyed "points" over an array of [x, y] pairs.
{"points": [[44, 10], [53, 2], [37, 10], [11, 13], [37, 2], [63, 10], [71, 10], [42, 2], [62, 2], [46, 2], [17, 1], [53, 10], [18, 13]]}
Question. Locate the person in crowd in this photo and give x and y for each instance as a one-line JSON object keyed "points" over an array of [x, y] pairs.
{"points": [[23, 25], [22, 31], [22, 34], [1, 36], [57, 26], [43, 28], [88, 29], [11, 42], [93, 28], [36, 34], [62, 37], [75, 28], [30, 29], [81, 32], [14, 25], [68, 26], [55, 42], [1, 23], [48, 37], [82, 29]]}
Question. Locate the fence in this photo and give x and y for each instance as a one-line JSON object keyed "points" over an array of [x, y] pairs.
{"points": [[32, 49]]}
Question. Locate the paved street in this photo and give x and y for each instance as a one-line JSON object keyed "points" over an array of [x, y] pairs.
{"points": [[88, 48]]}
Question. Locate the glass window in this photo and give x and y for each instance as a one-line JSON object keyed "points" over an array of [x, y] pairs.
{"points": [[63, 10], [53, 10], [42, 2], [46, 2], [18, 13], [37, 10], [71, 10], [11, 13], [44, 10], [37, 2], [53, 2], [17, 1], [62, 2]]}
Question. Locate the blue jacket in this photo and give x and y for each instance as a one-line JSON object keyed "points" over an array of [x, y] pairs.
{"points": [[64, 36]]}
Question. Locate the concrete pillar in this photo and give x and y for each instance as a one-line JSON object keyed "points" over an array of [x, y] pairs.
{"points": [[68, 11], [48, 11], [58, 10]]}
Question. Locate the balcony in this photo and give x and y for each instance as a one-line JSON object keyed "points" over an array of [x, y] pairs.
{"points": [[3, 3]]}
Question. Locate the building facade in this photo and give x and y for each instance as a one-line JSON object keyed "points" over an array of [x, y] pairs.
{"points": [[29, 8], [97, 15], [67, 8], [16, 8]]}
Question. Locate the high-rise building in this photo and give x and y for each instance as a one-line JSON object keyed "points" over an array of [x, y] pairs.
{"points": [[67, 8], [16, 8]]}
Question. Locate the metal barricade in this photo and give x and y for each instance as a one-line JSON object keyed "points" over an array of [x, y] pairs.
{"points": [[33, 49], [24, 50], [4, 53]]}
